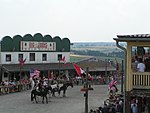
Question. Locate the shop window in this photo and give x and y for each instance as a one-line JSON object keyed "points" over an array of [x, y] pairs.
{"points": [[59, 57], [44, 57], [8, 58], [32, 56]]}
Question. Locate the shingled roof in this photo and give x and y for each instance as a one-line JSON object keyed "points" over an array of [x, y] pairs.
{"points": [[134, 38]]}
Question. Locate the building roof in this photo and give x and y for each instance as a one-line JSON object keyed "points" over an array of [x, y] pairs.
{"points": [[95, 64], [134, 38], [41, 67], [62, 44]]}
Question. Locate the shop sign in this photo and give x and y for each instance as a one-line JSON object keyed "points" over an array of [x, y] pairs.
{"points": [[37, 46]]}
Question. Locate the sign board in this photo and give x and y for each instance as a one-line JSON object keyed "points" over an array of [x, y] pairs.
{"points": [[37, 46]]}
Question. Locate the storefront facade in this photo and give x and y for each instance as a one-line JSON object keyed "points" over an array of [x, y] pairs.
{"points": [[19, 54]]}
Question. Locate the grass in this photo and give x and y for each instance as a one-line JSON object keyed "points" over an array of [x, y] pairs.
{"points": [[75, 58]]}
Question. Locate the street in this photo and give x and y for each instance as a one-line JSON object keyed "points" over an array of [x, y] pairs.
{"points": [[74, 102]]}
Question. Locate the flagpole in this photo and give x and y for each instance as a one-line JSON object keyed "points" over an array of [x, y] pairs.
{"points": [[86, 92], [19, 86], [106, 67], [122, 78], [59, 68], [20, 72]]}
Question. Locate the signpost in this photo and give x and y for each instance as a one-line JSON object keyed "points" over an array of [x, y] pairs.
{"points": [[86, 88]]}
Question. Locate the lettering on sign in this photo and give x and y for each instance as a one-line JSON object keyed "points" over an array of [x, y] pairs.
{"points": [[37, 46]]}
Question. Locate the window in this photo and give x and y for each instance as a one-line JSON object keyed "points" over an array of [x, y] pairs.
{"points": [[59, 57], [20, 56], [8, 57], [5, 75], [44, 57], [32, 56]]}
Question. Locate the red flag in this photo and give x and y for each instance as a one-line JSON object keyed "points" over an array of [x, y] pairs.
{"points": [[64, 60], [22, 62], [78, 69]]}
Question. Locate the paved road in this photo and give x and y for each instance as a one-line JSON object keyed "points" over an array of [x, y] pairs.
{"points": [[73, 103]]}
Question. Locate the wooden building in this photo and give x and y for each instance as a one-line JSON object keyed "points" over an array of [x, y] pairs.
{"points": [[43, 53], [137, 84], [98, 66]]}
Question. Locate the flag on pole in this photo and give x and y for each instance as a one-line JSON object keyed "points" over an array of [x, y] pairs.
{"points": [[31, 72], [34, 72], [113, 82], [78, 69], [64, 60], [22, 62]]}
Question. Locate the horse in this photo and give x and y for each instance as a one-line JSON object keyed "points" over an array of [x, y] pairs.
{"points": [[64, 88], [54, 88], [43, 93]]}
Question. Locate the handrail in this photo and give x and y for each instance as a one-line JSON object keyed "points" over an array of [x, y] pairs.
{"points": [[141, 79]]}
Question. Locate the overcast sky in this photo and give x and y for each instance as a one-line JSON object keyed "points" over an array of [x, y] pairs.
{"points": [[78, 20]]}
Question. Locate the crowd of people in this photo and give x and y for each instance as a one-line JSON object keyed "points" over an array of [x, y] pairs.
{"points": [[14, 86], [114, 103], [140, 65]]}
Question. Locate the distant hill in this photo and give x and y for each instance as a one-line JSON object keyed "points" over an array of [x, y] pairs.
{"points": [[89, 44], [98, 49], [104, 47]]}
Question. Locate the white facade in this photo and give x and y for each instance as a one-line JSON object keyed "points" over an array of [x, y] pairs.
{"points": [[52, 57]]}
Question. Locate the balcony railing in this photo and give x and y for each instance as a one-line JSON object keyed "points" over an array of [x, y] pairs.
{"points": [[141, 80]]}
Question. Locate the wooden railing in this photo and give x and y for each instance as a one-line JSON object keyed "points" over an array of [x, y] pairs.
{"points": [[141, 80]]}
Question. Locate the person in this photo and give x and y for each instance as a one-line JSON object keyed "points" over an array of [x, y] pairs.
{"points": [[147, 65], [134, 108], [91, 111], [136, 59], [34, 82], [39, 86], [141, 66], [118, 107], [105, 108]]}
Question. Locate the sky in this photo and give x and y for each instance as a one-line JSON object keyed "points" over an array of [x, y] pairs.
{"points": [[78, 20]]}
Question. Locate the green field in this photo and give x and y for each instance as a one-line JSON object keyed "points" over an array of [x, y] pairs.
{"points": [[76, 58]]}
